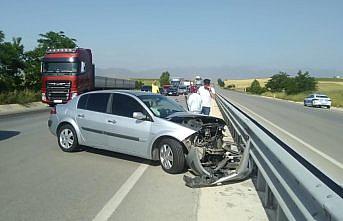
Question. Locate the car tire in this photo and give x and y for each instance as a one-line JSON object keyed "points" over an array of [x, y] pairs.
{"points": [[171, 156], [67, 138], [328, 107]]}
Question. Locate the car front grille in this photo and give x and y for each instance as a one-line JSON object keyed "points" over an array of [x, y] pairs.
{"points": [[58, 90]]}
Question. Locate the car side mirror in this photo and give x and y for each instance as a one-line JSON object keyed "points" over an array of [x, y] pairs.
{"points": [[139, 116]]}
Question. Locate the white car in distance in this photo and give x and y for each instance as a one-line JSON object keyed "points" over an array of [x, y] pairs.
{"points": [[317, 100]]}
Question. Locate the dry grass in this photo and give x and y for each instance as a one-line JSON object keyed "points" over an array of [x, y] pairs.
{"points": [[19, 97], [244, 83]]}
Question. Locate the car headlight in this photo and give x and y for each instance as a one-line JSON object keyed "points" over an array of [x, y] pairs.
{"points": [[43, 97]]}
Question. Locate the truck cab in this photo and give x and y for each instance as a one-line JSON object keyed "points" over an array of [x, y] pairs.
{"points": [[65, 74]]}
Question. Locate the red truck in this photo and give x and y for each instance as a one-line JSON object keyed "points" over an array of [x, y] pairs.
{"points": [[67, 73]]}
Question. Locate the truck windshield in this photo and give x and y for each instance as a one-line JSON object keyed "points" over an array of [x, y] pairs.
{"points": [[60, 67]]}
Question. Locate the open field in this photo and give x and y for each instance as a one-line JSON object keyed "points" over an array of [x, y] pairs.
{"points": [[146, 81], [330, 86]]}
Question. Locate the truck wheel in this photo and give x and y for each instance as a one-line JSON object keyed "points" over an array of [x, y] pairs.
{"points": [[171, 156], [67, 138]]}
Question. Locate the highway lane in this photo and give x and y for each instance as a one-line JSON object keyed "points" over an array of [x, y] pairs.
{"points": [[40, 182], [315, 133]]}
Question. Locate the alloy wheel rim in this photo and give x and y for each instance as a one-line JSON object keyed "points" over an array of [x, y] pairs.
{"points": [[66, 138], [166, 156]]}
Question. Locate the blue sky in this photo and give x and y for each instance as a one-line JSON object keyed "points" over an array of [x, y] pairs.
{"points": [[151, 34]]}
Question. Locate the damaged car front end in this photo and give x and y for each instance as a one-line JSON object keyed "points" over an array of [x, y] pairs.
{"points": [[212, 157]]}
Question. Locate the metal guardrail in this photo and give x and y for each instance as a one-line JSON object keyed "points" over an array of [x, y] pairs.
{"points": [[294, 188]]}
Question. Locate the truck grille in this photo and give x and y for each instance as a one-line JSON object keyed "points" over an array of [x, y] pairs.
{"points": [[58, 90]]}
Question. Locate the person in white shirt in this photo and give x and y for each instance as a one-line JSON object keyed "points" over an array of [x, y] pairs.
{"points": [[207, 93], [194, 103]]}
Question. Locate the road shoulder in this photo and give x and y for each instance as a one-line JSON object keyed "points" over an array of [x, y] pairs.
{"points": [[9, 109], [240, 200]]}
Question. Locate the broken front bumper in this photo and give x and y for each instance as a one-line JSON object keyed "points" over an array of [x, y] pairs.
{"points": [[205, 176]]}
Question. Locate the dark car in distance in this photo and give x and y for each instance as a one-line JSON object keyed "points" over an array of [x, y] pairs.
{"points": [[146, 88], [173, 91]]}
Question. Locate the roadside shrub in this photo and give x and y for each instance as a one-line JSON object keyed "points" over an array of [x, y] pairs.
{"points": [[19, 97], [231, 86], [221, 82]]}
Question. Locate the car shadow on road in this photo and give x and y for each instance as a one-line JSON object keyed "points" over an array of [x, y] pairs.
{"points": [[120, 156], [8, 134]]}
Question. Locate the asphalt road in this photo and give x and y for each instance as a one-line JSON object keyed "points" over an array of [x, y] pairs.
{"points": [[317, 134], [40, 182]]}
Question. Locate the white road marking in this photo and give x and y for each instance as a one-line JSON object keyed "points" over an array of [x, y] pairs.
{"points": [[118, 197], [327, 157]]}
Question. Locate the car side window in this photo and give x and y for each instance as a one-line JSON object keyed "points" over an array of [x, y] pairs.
{"points": [[82, 102], [98, 102], [124, 106]]}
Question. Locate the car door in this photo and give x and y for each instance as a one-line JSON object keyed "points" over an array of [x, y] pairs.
{"points": [[126, 134], [91, 114]]}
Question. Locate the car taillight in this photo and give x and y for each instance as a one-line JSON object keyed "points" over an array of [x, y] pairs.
{"points": [[53, 110]]}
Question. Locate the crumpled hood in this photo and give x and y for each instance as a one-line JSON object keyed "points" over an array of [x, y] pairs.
{"points": [[179, 117]]}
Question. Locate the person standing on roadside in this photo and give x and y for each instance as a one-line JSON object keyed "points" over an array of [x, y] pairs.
{"points": [[194, 103], [207, 93], [154, 88]]}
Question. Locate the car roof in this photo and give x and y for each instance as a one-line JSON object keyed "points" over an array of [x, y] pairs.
{"points": [[129, 92], [317, 94]]}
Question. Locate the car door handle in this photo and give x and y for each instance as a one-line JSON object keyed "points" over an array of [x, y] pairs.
{"points": [[112, 121], [81, 116]]}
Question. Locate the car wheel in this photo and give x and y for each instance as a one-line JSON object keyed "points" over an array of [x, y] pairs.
{"points": [[328, 107], [67, 138], [171, 156]]}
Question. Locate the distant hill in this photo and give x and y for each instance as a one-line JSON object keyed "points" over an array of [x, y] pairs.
{"points": [[224, 72]]}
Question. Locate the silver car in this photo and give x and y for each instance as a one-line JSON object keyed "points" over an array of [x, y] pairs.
{"points": [[317, 100], [141, 124]]}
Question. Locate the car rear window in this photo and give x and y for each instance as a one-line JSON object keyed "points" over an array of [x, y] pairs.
{"points": [[322, 96], [82, 102], [97, 102]]}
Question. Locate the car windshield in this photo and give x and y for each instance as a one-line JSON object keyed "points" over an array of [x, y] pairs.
{"points": [[60, 67], [322, 96], [161, 106]]}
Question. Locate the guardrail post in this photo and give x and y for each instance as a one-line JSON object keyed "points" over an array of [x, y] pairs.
{"points": [[268, 198], [260, 182], [280, 215]]}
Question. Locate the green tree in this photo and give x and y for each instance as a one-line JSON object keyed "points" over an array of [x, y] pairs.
{"points": [[255, 88], [11, 63], [138, 84], [33, 58], [278, 82], [2, 36], [300, 83], [221, 82], [165, 78], [55, 40]]}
